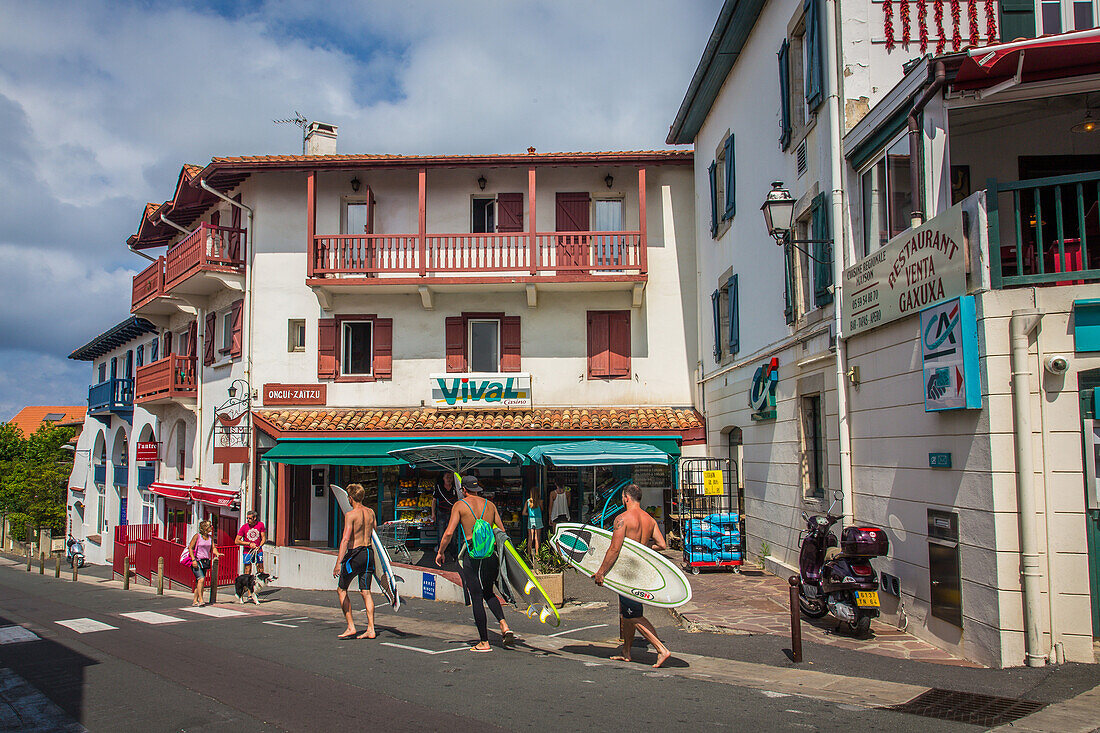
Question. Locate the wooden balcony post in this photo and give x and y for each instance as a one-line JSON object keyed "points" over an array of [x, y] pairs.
{"points": [[422, 217], [642, 245], [533, 247], [311, 220]]}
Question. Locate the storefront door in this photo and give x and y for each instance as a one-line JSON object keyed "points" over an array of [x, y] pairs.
{"points": [[177, 516], [1089, 385], [299, 504]]}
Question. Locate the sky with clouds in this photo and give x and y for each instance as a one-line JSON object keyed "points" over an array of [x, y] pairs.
{"points": [[102, 102]]}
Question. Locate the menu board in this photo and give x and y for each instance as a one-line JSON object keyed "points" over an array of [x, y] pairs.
{"points": [[652, 475]]}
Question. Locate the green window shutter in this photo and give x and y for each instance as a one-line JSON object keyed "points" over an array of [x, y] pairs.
{"points": [[731, 196], [735, 326], [815, 58], [788, 286], [713, 203], [716, 303], [823, 252], [1017, 19], [784, 95]]}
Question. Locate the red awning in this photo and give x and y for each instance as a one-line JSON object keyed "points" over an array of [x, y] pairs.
{"points": [[220, 497], [1036, 59], [180, 492]]}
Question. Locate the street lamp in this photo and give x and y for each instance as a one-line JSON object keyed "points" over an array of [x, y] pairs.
{"points": [[233, 388], [778, 210]]}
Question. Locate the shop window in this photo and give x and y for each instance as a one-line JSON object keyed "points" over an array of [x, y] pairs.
{"points": [[813, 446], [355, 348], [296, 334], [482, 342], [887, 196], [609, 344]]}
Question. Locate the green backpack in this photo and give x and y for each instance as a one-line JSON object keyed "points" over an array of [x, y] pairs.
{"points": [[482, 541]]}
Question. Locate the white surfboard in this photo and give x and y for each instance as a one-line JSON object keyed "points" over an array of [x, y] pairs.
{"points": [[383, 569], [639, 572]]}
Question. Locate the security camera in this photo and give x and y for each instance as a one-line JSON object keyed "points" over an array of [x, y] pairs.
{"points": [[1056, 364]]}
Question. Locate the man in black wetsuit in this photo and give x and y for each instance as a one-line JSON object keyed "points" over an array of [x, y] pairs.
{"points": [[355, 560]]}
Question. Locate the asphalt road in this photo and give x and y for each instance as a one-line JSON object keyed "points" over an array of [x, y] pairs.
{"points": [[279, 666]]}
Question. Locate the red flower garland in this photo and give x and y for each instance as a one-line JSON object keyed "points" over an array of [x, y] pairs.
{"points": [[922, 24], [956, 39], [937, 14], [888, 23], [904, 14], [990, 22], [972, 16]]}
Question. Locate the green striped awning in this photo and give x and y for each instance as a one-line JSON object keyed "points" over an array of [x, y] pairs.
{"points": [[598, 453]]}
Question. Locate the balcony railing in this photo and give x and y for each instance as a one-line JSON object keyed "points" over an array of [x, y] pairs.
{"points": [[113, 395], [1044, 231], [121, 475], [208, 247], [99, 473], [148, 285], [145, 476], [549, 255], [172, 377]]}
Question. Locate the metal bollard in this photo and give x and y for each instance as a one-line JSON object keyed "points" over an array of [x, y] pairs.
{"points": [[30, 557], [126, 574], [796, 620], [41, 563], [160, 576], [214, 582], [57, 566], [74, 572]]}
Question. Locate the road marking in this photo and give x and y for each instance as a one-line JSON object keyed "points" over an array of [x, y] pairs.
{"points": [[583, 628], [85, 625], [16, 635], [423, 651], [151, 617], [214, 611], [281, 621]]}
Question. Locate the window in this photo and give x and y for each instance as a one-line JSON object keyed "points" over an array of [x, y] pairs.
{"points": [[609, 344], [727, 326], [148, 512], [484, 345], [227, 332], [722, 186], [483, 218], [296, 334], [357, 352], [184, 348], [101, 510], [609, 218], [129, 364], [1062, 16], [887, 196], [813, 445]]}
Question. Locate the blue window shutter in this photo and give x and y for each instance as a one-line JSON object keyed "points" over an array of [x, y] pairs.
{"points": [[713, 203], [785, 96], [735, 326], [731, 189], [815, 86], [154, 350], [823, 252], [788, 286], [716, 302]]}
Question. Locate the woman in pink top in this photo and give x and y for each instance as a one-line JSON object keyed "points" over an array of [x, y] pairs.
{"points": [[202, 551]]}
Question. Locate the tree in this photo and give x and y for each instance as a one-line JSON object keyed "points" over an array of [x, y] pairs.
{"points": [[33, 475]]}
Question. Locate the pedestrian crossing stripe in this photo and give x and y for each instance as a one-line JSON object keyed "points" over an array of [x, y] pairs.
{"points": [[215, 611], [151, 617], [85, 625], [16, 635]]}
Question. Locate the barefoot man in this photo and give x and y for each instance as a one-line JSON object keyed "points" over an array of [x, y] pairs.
{"points": [[355, 560], [640, 527]]}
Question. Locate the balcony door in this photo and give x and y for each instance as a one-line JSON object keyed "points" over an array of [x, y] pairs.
{"points": [[300, 491], [358, 251], [572, 216]]}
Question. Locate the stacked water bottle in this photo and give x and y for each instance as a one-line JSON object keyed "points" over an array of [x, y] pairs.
{"points": [[714, 538]]}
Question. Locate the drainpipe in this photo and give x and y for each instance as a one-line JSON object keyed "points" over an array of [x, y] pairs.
{"points": [[139, 253], [1024, 321], [836, 173], [938, 79], [173, 224], [200, 381], [247, 316]]}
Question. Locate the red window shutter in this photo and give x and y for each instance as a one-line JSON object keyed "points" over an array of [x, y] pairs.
{"points": [[208, 339], [383, 348], [238, 321], [215, 218], [192, 337], [167, 343], [326, 348], [509, 212], [509, 344], [455, 335], [235, 237], [598, 342], [619, 344]]}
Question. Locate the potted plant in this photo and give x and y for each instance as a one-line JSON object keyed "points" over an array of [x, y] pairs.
{"points": [[548, 567]]}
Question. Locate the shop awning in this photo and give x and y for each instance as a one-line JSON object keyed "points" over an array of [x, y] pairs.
{"points": [[1034, 59], [598, 453], [180, 492], [190, 492], [457, 457]]}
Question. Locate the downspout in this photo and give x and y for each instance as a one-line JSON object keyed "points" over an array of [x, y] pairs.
{"points": [[1023, 322], [836, 172], [247, 316], [173, 224], [139, 253], [930, 91], [200, 369]]}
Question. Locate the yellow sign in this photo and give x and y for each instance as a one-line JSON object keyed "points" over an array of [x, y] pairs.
{"points": [[712, 483]]}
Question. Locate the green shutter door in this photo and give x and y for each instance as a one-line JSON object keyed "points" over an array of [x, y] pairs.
{"points": [[823, 252], [1017, 19], [731, 196], [713, 202]]}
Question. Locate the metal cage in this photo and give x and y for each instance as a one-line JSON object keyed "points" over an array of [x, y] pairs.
{"points": [[710, 513]]}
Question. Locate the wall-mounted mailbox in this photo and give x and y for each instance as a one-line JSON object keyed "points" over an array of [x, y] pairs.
{"points": [[944, 573]]}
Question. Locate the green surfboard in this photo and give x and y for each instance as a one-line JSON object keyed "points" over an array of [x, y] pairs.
{"points": [[531, 594]]}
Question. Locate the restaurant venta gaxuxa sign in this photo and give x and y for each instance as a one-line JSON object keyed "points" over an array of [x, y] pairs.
{"points": [[916, 269], [482, 390]]}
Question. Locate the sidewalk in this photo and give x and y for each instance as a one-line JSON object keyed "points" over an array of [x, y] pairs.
{"points": [[757, 602]]}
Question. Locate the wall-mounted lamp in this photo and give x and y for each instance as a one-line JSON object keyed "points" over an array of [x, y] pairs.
{"points": [[609, 180], [355, 184], [481, 182], [778, 211]]}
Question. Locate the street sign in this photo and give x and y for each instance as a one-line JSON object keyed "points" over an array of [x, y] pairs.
{"points": [[949, 350], [939, 460], [712, 483]]}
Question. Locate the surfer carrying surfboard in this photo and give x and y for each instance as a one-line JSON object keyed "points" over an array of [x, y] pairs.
{"points": [[636, 524], [355, 560]]}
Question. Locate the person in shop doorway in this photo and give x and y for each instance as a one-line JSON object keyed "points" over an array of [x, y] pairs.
{"points": [[559, 505], [355, 561], [202, 551], [251, 537], [636, 524], [532, 509], [443, 500], [479, 565]]}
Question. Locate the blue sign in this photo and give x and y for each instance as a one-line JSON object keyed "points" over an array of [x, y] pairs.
{"points": [[939, 460], [949, 350], [429, 587]]}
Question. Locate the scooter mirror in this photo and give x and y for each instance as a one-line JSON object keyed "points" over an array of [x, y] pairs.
{"points": [[805, 518]]}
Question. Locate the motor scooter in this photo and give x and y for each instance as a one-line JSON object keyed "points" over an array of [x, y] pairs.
{"points": [[840, 580], [74, 552]]}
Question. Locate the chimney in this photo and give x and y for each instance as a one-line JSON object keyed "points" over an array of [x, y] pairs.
{"points": [[320, 139]]}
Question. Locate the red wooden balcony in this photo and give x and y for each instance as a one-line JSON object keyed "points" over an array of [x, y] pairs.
{"points": [[148, 288], [171, 379], [204, 260]]}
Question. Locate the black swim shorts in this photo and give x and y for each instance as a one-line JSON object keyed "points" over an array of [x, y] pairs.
{"points": [[356, 564], [630, 608]]}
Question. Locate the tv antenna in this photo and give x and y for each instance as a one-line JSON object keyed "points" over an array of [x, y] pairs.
{"points": [[301, 122]]}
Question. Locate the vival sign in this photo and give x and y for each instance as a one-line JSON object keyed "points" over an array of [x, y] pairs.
{"points": [[949, 350], [481, 390], [916, 269]]}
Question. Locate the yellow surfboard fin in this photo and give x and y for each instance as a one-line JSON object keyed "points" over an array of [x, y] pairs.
{"points": [[529, 587]]}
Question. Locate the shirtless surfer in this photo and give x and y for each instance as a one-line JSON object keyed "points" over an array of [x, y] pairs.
{"points": [[355, 560], [640, 527]]}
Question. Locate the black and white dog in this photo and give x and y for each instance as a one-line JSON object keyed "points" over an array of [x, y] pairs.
{"points": [[247, 587]]}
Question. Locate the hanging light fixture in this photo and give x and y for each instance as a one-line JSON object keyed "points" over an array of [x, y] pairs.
{"points": [[355, 184], [481, 182], [609, 180], [1089, 124]]}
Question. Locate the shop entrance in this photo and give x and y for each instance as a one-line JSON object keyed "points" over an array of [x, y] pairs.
{"points": [[1089, 386], [300, 490], [177, 516]]}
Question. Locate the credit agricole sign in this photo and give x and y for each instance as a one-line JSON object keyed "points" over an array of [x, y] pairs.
{"points": [[916, 269], [480, 390]]}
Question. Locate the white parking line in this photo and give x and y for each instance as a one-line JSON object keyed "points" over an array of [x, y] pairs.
{"points": [[214, 611], [151, 617], [583, 628], [282, 622], [16, 635], [85, 625], [423, 651]]}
